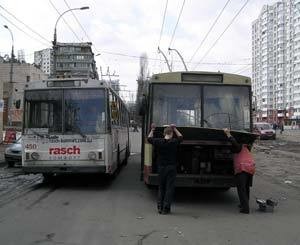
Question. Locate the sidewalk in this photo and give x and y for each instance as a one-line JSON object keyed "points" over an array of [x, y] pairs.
{"points": [[289, 135]]}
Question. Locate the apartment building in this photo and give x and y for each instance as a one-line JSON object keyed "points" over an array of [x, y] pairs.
{"points": [[75, 59], [276, 61], [44, 59]]}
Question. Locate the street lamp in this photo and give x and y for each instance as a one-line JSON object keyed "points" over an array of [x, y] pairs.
{"points": [[10, 89], [55, 36], [182, 60]]}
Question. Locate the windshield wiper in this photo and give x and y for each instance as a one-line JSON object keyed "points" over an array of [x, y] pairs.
{"points": [[218, 113], [77, 130], [40, 135]]}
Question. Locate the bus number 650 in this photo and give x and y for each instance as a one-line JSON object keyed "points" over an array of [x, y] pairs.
{"points": [[31, 146]]}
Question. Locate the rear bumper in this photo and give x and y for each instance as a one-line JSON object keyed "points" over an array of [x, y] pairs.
{"points": [[64, 169], [209, 181]]}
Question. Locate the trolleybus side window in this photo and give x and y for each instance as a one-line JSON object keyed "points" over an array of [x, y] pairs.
{"points": [[114, 108], [108, 110], [123, 124]]}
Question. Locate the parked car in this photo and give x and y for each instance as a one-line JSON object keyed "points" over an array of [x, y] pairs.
{"points": [[265, 130], [13, 153]]}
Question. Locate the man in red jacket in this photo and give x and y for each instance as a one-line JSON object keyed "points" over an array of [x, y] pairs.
{"points": [[244, 169]]}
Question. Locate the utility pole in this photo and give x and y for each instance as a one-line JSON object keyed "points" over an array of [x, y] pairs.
{"points": [[10, 87], [114, 84]]}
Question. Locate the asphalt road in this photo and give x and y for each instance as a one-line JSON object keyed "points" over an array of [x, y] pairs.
{"points": [[94, 210]]}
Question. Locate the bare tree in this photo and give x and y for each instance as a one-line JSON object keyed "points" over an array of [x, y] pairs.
{"points": [[142, 81]]}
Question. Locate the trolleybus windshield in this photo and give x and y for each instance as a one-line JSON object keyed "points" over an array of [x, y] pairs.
{"points": [[223, 106], [78, 111]]}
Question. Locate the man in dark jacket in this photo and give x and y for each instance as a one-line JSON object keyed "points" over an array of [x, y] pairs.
{"points": [[167, 151]]}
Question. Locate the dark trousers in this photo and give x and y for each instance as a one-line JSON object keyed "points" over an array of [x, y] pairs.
{"points": [[166, 176], [243, 182]]}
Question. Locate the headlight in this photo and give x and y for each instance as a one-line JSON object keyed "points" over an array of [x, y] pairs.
{"points": [[92, 155], [7, 150], [35, 155]]}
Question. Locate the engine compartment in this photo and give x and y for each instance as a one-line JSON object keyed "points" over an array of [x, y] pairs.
{"points": [[204, 151], [201, 160]]}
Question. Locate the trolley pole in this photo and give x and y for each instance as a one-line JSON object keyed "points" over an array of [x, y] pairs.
{"points": [[165, 57], [180, 56]]}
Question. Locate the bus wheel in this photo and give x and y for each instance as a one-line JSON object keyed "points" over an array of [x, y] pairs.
{"points": [[10, 164], [223, 189], [118, 157], [48, 177], [126, 156], [152, 187]]}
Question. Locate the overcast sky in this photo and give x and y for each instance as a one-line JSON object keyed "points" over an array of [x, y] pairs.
{"points": [[132, 27]]}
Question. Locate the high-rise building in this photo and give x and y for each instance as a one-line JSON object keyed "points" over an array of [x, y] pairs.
{"points": [[276, 61], [44, 60], [75, 59], [21, 56]]}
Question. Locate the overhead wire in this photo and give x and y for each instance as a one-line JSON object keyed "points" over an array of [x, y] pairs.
{"points": [[27, 26], [84, 31], [161, 29], [243, 69], [209, 31], [227, 27], [163, 23], [27, 34], [174, 31], [78, 22], [179, 61]]}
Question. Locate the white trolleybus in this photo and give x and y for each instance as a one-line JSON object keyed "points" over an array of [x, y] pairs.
{"points": [[74, 126]]}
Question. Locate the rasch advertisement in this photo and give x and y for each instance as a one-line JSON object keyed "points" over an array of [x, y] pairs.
{"points": [[58, 148]]}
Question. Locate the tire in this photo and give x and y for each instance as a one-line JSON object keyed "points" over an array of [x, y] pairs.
{"points": [[10, 164], [125, 162], [48, 177], [118, 157], [223, 189], [151, 187]]}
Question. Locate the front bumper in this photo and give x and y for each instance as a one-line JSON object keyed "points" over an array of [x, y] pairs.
{"points": [[13, 158], [205, 181], [64, 169], [267, 136]]}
